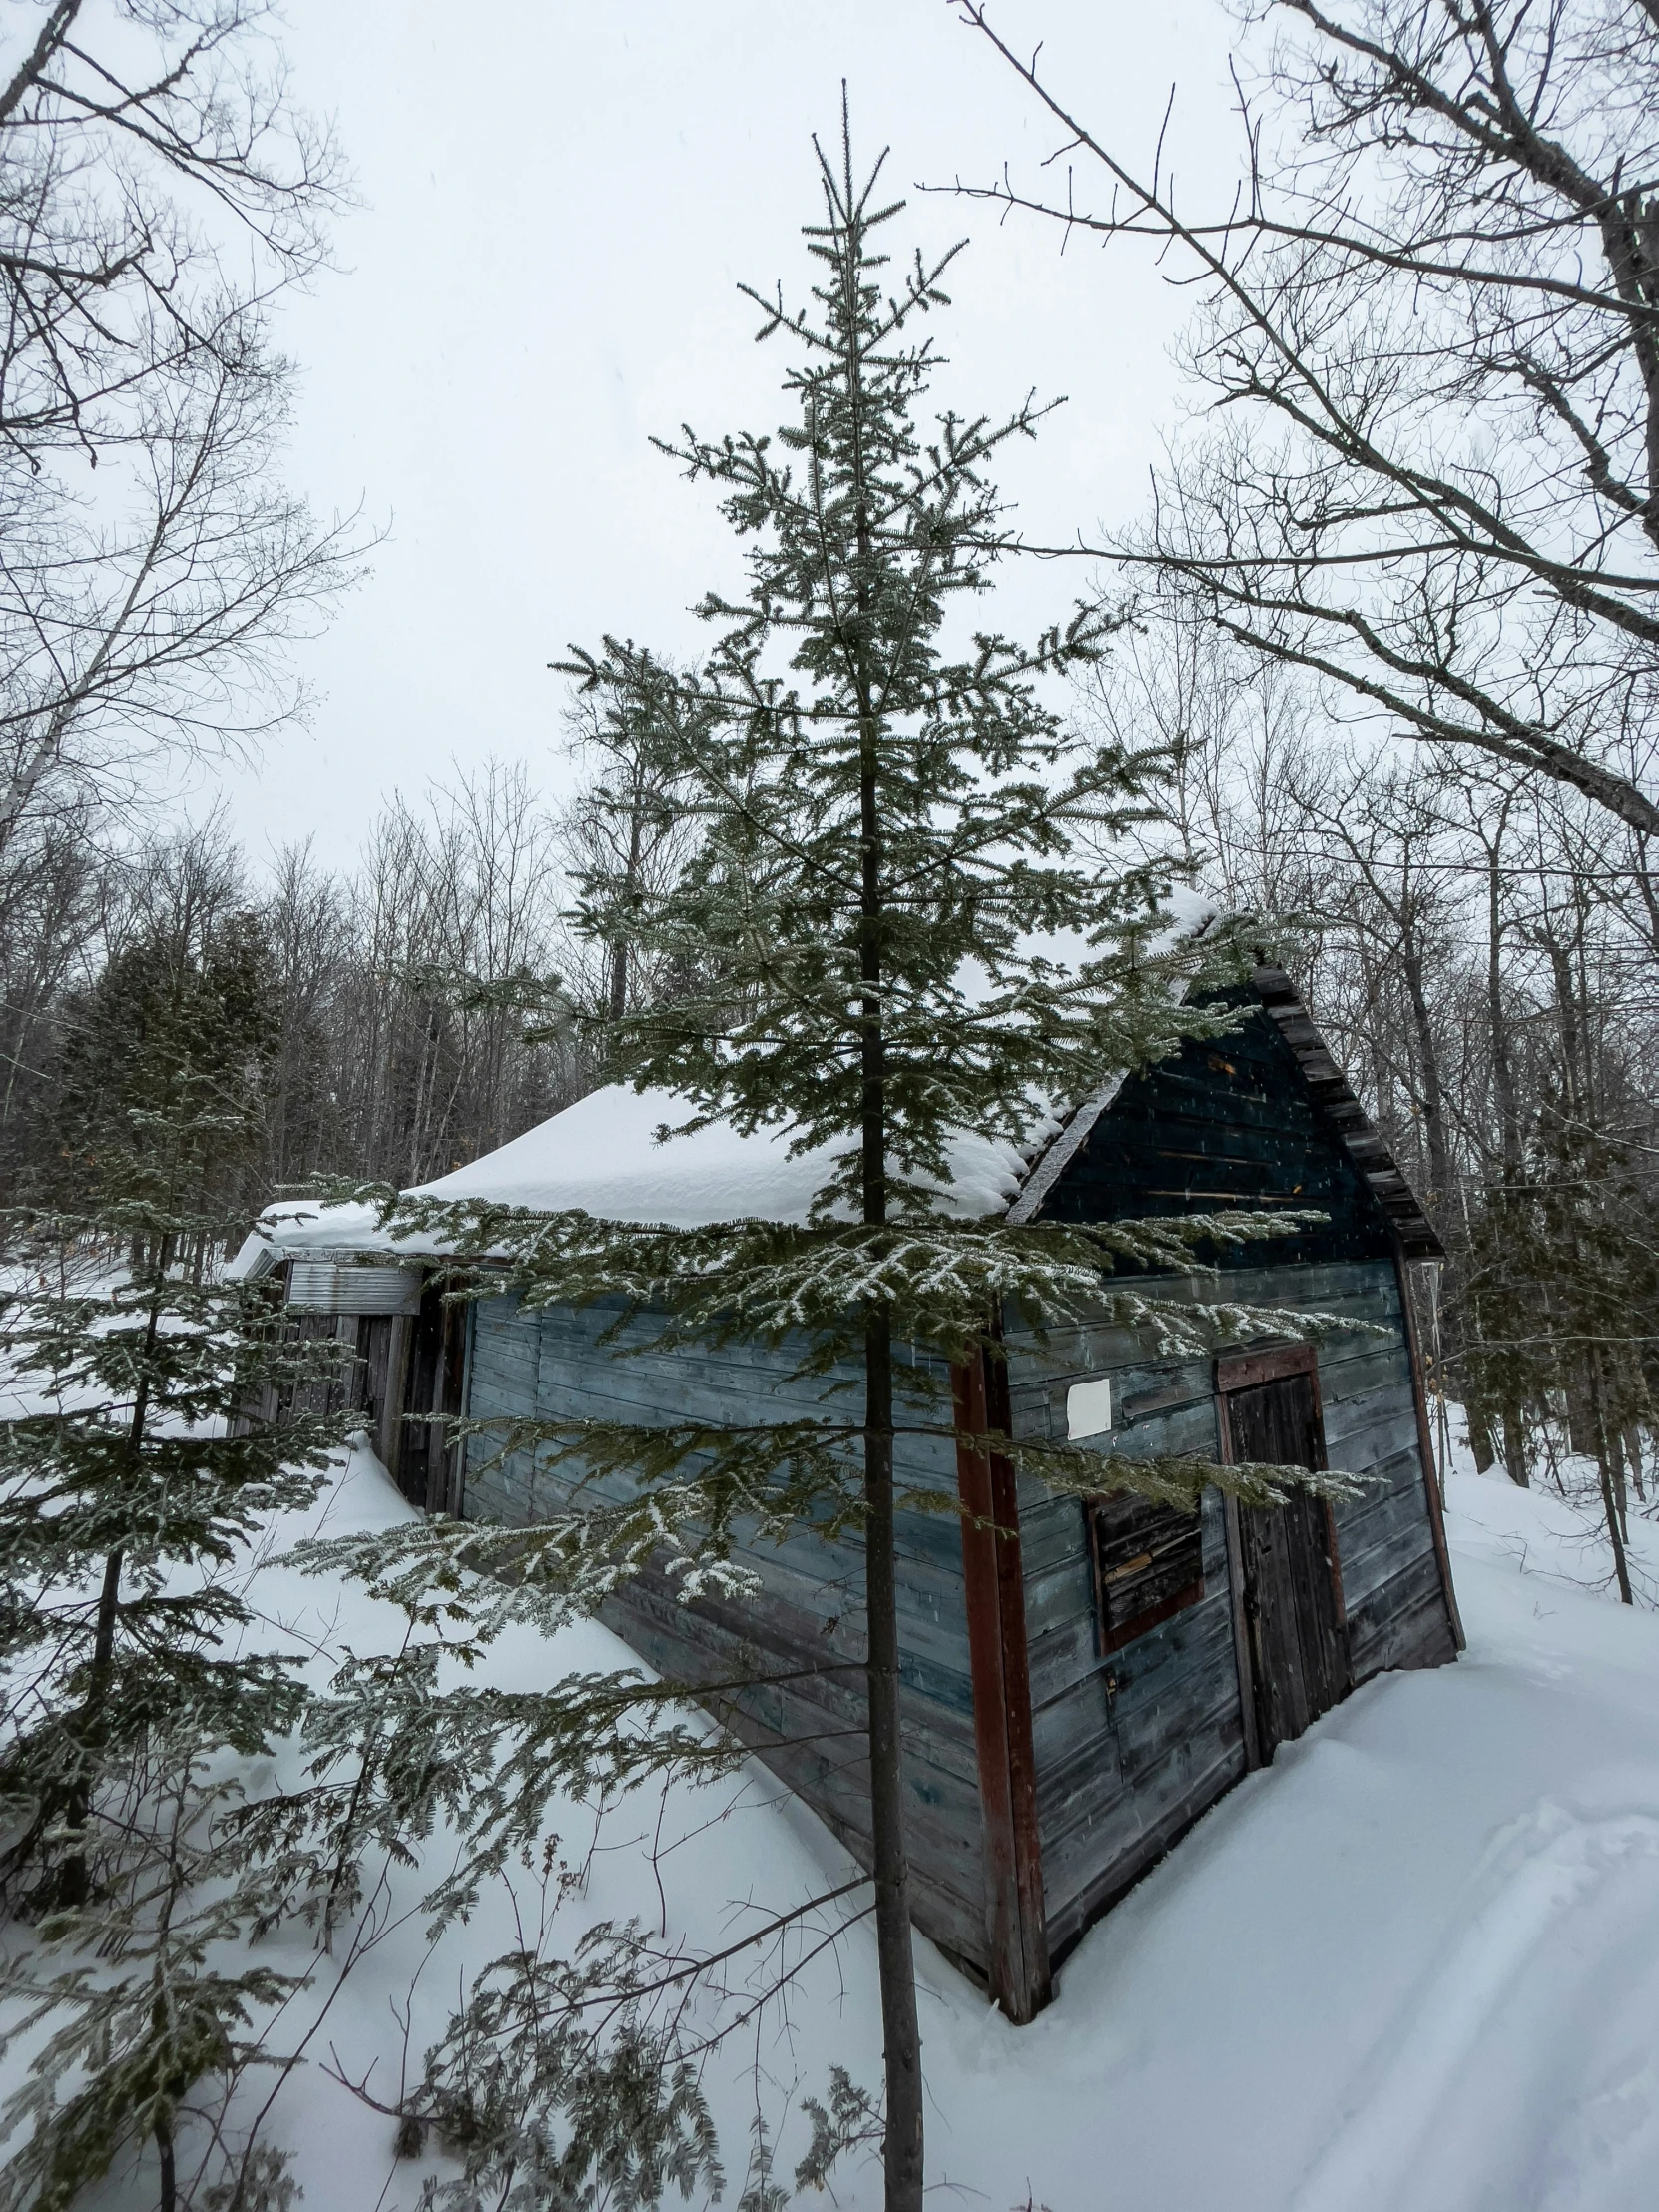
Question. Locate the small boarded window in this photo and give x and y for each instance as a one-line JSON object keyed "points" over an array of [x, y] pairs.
{"points": [[1148, 1566]]}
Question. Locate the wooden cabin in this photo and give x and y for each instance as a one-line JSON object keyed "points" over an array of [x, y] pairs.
{"points": [[1080, 1682]]}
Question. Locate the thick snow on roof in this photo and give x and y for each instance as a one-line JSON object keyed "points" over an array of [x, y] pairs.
{"points": [[601, 1155]]}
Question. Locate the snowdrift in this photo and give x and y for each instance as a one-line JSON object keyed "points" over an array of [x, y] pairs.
{"points": [[1414, 1964]]}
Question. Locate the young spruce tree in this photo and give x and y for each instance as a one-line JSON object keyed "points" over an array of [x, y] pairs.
{"points": [[897, 825], [890, 825], [132, 1482], [893, 826]]}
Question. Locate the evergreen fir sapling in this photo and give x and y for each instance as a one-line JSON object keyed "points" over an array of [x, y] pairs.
{"points": [[578, 2079], [133, 1484], [176, 1006], [626, 829], [888, 829], [1593, 1255], [886, 835], [1491, 1294], [1556, 1269], [153, 2013]]}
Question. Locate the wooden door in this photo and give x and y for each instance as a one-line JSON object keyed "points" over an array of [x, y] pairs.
{"points": [[1292, 1587]]}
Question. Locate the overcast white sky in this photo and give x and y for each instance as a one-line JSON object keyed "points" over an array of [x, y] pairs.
{"points": [[560, 196]]}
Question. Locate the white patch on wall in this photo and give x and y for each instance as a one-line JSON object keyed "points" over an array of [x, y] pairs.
{"points": [[1089, 1408]]}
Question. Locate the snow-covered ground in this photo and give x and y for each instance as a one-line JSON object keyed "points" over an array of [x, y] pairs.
{"points": [[1415, 1964]]}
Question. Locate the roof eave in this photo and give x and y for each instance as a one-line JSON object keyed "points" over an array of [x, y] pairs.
{"points": [[1334, 1095]]}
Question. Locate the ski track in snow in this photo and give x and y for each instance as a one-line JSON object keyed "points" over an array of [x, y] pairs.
{"points": [[1556, 1899]]}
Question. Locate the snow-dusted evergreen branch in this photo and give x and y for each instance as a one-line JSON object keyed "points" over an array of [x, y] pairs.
{"points": [[900, 918], [939, 1279]]}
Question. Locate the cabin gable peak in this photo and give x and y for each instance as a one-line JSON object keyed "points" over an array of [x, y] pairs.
{"points": [[1335, 1108]]}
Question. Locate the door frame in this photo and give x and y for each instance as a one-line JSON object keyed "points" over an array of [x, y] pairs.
{"points": [[1244, 1371]]}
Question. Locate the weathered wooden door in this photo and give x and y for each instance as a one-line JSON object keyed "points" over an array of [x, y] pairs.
{"points": [[434, 1386], [1291, 1589]]}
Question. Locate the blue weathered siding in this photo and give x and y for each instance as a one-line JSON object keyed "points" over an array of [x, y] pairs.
{"points": [[1128, 1749], [807, 1622], [1132, 1747]]}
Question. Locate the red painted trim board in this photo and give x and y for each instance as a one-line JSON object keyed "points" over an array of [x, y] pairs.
{"points": [[995, 1587]]}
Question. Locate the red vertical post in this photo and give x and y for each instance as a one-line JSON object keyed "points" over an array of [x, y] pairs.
{"points": [[1425, 1449], [996, 1594]]}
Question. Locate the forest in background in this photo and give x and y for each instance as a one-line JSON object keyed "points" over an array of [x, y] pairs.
{"points": [[1389, 625], [1478, 945]]}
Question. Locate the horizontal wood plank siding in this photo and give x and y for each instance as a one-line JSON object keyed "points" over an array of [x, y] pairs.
{"points": [[1226, 1123], [1133, 1746], [807, 1620]]}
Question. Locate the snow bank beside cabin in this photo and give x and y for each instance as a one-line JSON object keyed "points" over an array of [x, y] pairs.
{"points": [[1412, 1967]]}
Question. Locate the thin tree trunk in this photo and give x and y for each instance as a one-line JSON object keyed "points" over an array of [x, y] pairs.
{"points": [[1432, 1098], [903, 2142], [1634, 1393], [170, 2186], [102, 1642], [1508, 1110], [619, 949], [1515, 1448], [73, 1882], [1609, 1500], [170, 2085], [901, 2028]]}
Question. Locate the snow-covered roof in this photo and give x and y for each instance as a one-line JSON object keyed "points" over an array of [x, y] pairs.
{"points": [[602, 1156]]}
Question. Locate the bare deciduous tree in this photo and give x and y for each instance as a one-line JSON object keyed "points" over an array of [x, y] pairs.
{"points": [[158, 188], [456, 946], [164, 628], [1431, 335]]}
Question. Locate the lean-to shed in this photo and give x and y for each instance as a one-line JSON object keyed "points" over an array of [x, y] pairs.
{"points": [[1080, 1682]]}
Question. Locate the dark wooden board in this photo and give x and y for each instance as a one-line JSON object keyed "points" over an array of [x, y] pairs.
{"points": [[1226, 1123], [1113, 1860]]}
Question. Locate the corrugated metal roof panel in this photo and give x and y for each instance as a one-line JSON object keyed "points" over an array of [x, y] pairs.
{"points": [[325, 1287]]}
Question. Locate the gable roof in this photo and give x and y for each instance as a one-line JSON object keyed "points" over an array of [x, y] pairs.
{"points": [[1334, 1098], [1332, 1094], [601, 1155]]}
